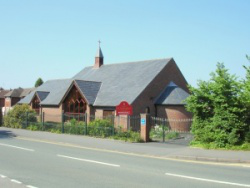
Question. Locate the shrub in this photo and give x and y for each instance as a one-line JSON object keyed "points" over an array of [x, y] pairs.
{"points": [[129, 136], [218, 110], [17, 117], [33, 127], [74, 127], [157, 132], [100, 128]]}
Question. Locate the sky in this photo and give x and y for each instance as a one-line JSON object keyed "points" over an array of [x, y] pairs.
{"points": [[55, 39]]}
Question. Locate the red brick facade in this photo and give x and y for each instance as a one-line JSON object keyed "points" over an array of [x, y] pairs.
{"points": [[179, 119], [147, 98]]}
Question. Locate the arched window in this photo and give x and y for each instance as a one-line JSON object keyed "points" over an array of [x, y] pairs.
{"points": [[36, 104], [74, 102]]}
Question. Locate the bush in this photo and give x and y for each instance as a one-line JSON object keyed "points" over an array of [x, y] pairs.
{"points": [[219, 111], [17, 117], [128, 136], [74, 127], [158, 133], [100, 128], [33, 127]]}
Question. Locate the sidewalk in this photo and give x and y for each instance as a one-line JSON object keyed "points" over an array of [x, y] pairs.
{"points": [[165, 150]]}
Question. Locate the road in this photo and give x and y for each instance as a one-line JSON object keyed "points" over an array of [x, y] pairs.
{"points": [[28, 163]]}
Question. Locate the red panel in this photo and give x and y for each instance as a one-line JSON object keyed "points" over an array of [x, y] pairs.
{"points": [[124, 109]]}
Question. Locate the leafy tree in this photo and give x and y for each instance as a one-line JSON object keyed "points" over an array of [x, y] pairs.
{"points": [[18, 116], [39, 82], [246, 97], [218, 109]]}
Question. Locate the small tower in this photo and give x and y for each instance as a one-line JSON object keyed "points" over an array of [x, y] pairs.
{"points": [[99, 57]]}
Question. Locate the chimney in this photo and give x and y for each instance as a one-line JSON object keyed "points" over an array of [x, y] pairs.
{"points": [[99, 57]]}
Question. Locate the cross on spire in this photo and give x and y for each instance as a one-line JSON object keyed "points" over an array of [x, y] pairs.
{"points": [[99, 42]]}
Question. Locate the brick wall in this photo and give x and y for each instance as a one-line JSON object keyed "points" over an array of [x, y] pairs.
{"points": [[146, 99], [2, 101], [7, 102], [179, 118], [15, 100], [53, 114]]}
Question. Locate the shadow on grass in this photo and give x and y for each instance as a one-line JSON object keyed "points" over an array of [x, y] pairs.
{"points": [[6, 134]]}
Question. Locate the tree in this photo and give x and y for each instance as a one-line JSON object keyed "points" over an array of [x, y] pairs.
{"points": [[39, 82], [246, 98], [218, 110], [17, 117]]}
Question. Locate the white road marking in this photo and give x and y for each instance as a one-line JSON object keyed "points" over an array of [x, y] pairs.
{"points": [[207, 180], [15, 181], [2, 176], [246, 166], [26, 149], [30, 186], [90, 161]]}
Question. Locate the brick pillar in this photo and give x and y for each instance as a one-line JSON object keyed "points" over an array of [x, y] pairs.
{"points": [[123, 122], [89, 113], [145, 127]]}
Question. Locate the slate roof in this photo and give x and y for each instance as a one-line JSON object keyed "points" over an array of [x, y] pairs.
{"points": [[122, 81], [3, 93], [106, 86], [42, 95], [172, 95], [89, 89], [55, 88], [19, 92]]}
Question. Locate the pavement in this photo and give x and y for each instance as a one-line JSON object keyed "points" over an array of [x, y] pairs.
{"points": [[173, 149]]}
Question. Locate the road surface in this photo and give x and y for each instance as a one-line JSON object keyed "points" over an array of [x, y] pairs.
{"points": [[29, 163]]}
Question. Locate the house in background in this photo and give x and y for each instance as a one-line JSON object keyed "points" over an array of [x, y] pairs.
{"points": [[12, 97], [3, 92], [2, 102], [98, 89]]}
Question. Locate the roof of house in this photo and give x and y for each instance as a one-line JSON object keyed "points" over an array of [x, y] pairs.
{"points": [[3, 93], [106, 86], [89, 89], [172, 95], [19, 92], [42, 95], [123, 81]]}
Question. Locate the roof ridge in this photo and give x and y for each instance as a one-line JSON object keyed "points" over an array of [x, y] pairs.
{"points": [[86, 80], [59, 79], [135, 61]]}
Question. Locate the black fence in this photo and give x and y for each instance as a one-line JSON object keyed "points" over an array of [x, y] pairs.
{"points": [[79, 124], [163, 129]]}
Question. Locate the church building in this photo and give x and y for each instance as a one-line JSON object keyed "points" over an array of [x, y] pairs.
{"points": [[154, 86]]}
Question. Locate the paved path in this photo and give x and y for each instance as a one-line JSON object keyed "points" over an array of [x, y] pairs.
{"points": [[167, 150], [53, 162]]}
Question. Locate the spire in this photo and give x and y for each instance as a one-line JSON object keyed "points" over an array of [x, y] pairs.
{"points": [[99, 57], [99, 50]]}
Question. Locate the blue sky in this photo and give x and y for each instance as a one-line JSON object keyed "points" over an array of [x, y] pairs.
{"points": [[56, 39]]}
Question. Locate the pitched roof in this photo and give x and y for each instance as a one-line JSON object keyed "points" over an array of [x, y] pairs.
{"points": [[3, 93], [106, 86], [26, 91], [172, 95], [19, 92], [55, 89], [89, 89], [122, 81], [42, 95]]}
